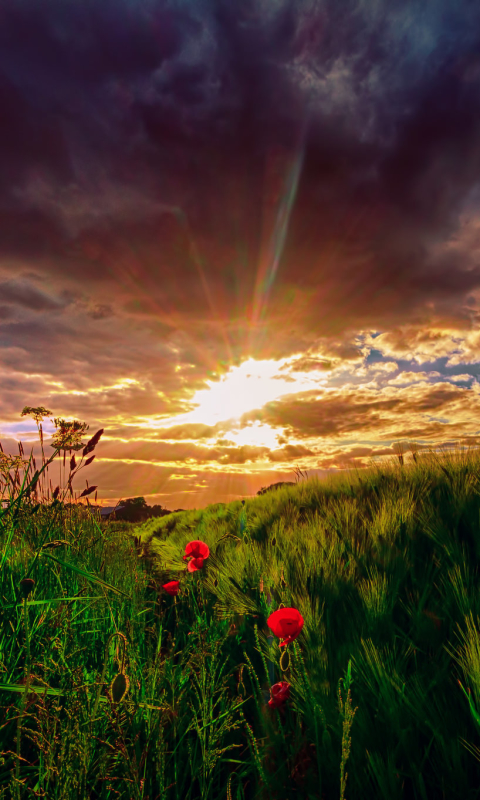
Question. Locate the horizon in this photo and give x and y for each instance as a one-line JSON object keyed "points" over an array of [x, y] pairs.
{"points": [[429, 456]]}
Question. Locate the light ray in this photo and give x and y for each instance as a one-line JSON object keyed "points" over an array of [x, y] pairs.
{"points": [[270, 259]]}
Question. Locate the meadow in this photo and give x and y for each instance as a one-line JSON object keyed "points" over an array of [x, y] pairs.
{"points": [[113, 686]]}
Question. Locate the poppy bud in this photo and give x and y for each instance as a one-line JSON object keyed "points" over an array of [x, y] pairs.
{"points": [[280, 693], [26, 586]]}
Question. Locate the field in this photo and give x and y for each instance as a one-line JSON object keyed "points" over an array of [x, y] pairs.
{"points": [[113, 686]]}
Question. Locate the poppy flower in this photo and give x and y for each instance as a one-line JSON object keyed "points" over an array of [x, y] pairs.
{"points": [[280, 693], [172, 587], [285, 622], [194, 564], [198, 551]]}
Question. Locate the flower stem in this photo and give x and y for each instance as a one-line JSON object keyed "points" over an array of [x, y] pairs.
{"points": [[23, 700]]}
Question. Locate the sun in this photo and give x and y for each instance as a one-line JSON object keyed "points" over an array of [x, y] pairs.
{"points": [[245, 388]]}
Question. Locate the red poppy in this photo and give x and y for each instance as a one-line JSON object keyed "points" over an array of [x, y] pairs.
{"points": [[280, 693], [285, 622], [198, 551], [172, 587]]}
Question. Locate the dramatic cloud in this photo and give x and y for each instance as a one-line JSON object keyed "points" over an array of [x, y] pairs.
{"points": [[240, 237]]}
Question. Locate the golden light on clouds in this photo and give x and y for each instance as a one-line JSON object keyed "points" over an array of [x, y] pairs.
{"points": [[245, 388], [124, 383]]}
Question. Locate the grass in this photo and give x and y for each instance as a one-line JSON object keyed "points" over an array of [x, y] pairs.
{"points": [[112, 688]]}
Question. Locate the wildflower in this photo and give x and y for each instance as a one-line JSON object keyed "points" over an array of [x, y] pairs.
{"points": [[37, 413], [68, 434], [280, 692], [199, 551], [11, 462], [286, 622], [172, 587]]}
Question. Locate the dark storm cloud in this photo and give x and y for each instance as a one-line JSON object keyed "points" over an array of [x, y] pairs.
{"points": [[23, 294], [101, 311], [180, 102], [54, 57], [6, 312]]}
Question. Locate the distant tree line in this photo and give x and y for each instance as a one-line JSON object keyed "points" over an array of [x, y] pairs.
{"points": [[136, 509]]}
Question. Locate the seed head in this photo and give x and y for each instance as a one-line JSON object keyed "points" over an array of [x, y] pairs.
{"points": [[26, 586]]}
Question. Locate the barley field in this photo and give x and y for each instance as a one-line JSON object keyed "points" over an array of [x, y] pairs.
{"points": [[319, 641]]}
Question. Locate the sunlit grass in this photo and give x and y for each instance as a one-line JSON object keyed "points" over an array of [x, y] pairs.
{"points": [[111, 687]]}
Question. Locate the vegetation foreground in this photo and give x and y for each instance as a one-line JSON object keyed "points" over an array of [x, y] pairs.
{"points": [[147, 661]]}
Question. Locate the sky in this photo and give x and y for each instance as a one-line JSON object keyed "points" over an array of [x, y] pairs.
{"points": [[243, 238]]}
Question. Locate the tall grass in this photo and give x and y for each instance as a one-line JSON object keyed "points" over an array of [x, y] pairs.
{"points": [[112, 688]]}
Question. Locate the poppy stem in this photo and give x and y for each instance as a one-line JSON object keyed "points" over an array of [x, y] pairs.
{"points": [[194, 600], [271, 667], [203, 599]]}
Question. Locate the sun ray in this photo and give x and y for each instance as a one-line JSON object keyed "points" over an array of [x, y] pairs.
{"points": [[271, 252]]}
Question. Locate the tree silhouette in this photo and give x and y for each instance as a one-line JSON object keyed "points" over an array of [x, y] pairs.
{"points": [[135, 509]]}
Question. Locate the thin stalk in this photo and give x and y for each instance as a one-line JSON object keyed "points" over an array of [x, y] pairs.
{"points": [[23, 699]]}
